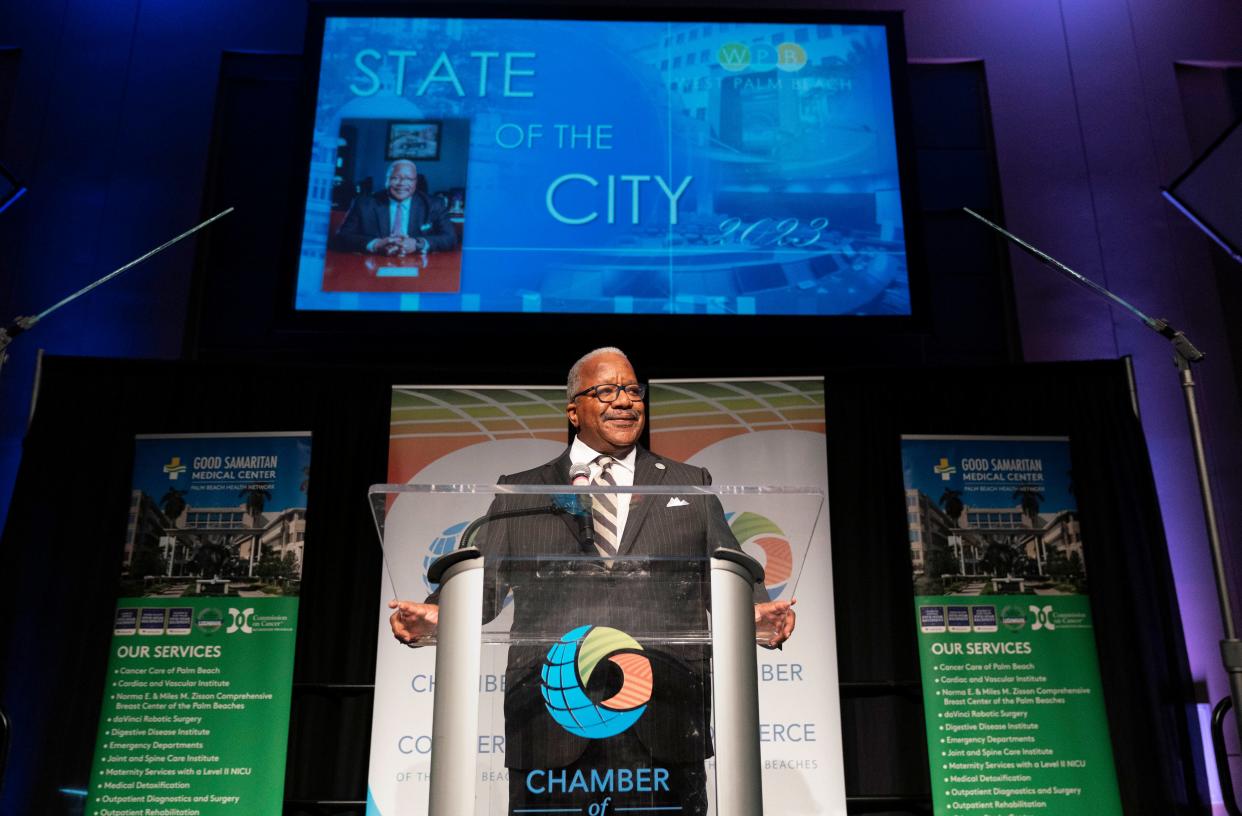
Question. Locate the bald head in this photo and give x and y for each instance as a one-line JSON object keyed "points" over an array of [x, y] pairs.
{"points": [[575, 384], [606, 427], [402, 179]]}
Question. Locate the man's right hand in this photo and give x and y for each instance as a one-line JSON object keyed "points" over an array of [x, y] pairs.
{"points": [[384, 246], [412, 622]]}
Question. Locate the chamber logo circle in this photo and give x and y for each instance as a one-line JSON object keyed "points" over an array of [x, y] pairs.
{"points": [[568, 668], [444, 543], [763, 539]]}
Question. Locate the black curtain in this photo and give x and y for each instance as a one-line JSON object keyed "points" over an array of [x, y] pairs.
{"points": [[65, 532]]}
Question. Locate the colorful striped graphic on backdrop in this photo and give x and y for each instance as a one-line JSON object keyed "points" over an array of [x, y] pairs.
{"points": [[430, 423]]}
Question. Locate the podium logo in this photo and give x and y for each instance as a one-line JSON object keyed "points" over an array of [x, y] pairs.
{"points": [[174, 468], [762, 538], [241, 621], [568, 668]]}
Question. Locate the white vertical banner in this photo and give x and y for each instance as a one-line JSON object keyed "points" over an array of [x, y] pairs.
{"points": [[458, 435], [772, 431]]}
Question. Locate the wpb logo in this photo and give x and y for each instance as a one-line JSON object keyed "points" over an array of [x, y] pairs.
{"points": [[737, 56], [568, 668]]}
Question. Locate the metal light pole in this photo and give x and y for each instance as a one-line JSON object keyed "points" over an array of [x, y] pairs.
{"points": [[1184, 356], [22, 324]]}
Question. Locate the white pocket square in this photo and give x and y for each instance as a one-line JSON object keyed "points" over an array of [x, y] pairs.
{"points": [[676, 502]]}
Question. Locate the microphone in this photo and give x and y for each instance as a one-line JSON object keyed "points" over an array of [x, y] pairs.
{"points": [[580, 474]]}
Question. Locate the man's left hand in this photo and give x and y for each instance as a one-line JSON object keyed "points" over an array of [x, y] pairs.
{"points": [[409, 246], [775, 620]]}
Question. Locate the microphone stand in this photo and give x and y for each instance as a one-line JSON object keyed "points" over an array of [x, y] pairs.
{"points": [[22, 324], [580, 511], [1184, 356], [467, 537]]}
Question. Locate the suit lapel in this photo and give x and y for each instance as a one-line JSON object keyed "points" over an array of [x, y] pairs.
{"points": [[383, 222], [418, 214], [645, 473], [557, 471]]}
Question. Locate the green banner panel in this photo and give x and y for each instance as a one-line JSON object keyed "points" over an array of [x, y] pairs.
{"points": [[195, 714], [196, 708], [1016, 724]]}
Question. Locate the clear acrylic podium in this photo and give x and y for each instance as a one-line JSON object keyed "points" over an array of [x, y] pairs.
{"points": [[594, 682]]}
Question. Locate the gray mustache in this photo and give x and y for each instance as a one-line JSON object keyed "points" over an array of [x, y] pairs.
{"points": [[622, 415]]}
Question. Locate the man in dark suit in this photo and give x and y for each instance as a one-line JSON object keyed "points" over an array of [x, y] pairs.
{"points": [[398, 220], [645, 573]]}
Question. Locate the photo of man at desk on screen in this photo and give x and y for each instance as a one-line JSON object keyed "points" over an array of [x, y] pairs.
{"points": [[405, 237]]}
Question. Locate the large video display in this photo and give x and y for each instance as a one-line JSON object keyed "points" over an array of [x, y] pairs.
{"points": [[586, 166]]}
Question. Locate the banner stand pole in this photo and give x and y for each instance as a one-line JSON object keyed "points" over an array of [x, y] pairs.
{"points": [[24, 323]]}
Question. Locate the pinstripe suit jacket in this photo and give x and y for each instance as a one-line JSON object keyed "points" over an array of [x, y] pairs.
{"points": [[656, 593]]}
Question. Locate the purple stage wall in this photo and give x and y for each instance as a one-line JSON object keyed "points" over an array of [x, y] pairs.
{"points": [[1089, 126]]}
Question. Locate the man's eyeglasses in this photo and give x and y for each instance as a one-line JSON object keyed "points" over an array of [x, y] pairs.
{"points": [[608, 392]]}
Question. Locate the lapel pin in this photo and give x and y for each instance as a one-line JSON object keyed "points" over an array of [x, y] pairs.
{"points": [[659, 466]]}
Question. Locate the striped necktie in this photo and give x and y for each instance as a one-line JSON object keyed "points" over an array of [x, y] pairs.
{"points": [[398, 218], [604, 510]]}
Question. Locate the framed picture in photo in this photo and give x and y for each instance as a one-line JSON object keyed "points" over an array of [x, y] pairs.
{"points": [[413, 140]]}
